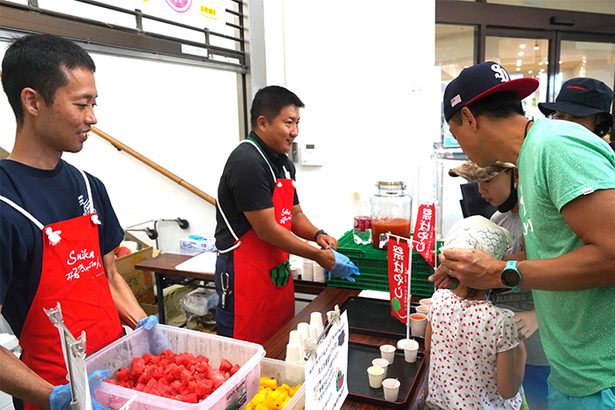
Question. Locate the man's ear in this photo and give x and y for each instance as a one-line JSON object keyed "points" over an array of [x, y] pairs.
{"points": [[468, 117], [31, 101], [261, 122]]}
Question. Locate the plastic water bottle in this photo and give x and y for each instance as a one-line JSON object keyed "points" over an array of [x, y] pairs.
{"points": [[362, 231]]}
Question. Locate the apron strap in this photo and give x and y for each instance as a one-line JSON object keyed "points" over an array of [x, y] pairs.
{"points": [[228, 225], [54, 236], [255, 145], [22, 211]]}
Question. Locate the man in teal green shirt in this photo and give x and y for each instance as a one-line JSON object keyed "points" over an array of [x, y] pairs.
{"points": [[567, 207]]}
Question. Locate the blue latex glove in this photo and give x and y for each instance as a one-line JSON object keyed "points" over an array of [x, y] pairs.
{"points": [[344, 268], [157, 339], [60, 396]]}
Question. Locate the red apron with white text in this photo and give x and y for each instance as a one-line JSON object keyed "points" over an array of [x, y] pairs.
{"points": [[72, 274], [261, 308]]}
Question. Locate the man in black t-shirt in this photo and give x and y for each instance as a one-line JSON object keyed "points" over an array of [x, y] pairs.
{"points": [[260, 221]]}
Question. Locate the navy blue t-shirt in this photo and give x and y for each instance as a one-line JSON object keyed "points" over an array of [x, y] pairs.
{"points": [[50, 196], [246, 184]]}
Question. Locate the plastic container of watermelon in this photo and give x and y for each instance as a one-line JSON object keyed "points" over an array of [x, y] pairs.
{"points": [[234, 393]]}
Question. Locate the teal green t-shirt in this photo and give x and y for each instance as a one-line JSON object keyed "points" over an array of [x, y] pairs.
{"points": [[560, 161]]}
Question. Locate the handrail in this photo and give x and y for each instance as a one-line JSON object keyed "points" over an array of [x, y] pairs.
{"points": [[123, 147]]}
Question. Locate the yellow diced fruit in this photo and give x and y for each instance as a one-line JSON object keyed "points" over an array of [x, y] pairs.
{"points": [[261, 407], [269, 382]]}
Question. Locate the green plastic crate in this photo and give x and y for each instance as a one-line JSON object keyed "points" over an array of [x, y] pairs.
{"points": [[372, 264]]}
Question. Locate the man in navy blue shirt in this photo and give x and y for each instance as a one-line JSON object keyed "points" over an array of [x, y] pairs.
{"points": [[57, 226]]}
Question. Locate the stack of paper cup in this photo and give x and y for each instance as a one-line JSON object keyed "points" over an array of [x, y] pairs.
{"points": [[316, 324], [304, 330], [307, 273], [293, 353], [295, 338], [319, 273]]}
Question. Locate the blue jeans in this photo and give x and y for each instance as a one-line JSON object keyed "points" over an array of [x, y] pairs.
{"points": [[603, 400]]}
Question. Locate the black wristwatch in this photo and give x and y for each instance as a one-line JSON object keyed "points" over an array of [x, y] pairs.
{"points": [[511, 277], [319, 232]]}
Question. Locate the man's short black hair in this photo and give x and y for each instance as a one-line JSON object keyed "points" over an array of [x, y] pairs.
{"points": [[498, 105], [39, 61], [269, 101]]}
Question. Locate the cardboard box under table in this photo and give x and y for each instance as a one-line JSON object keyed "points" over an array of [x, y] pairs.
{"points": [[140, 282], [233, 393]]}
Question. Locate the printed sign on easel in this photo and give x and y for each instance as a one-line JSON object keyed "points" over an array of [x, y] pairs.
{"points": [[326, 371]]}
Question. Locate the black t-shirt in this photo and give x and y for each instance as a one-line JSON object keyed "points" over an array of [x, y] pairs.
{"points": [[246, 184], [50, 196]]}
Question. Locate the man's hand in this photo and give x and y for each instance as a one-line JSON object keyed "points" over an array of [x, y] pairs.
{"points": [[60, 397], [326, 241], [440, 278], [526, 323], [157, 339], [471, 267], [344, 268]]}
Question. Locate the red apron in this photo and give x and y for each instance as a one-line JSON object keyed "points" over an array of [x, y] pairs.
{"points": [[72, 274], [260, 307]]}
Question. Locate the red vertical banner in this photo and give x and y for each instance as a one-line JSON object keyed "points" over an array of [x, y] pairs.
{"points": [[425, 233], [398, 253]]}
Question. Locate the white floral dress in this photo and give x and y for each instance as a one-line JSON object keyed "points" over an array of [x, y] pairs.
{"points": [[466, 337]]}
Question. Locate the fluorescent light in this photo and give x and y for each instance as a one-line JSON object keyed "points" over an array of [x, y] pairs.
{"points": [[520, 53], [522, 46]]}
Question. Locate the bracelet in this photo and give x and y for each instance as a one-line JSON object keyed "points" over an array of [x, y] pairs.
{"points": [[319, 232]]}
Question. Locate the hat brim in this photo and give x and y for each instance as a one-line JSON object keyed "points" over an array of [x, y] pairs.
{"points": [[522, 87], [571, 108]]}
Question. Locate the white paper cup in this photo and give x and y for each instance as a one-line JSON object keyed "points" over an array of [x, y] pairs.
{"points": [[295, 338], [318, 273], [388, 352], [380, 362], [293, 353], [304, 331], [418, 323], [316, 319], [307, 273], [410, 348], [375, 375], [315, 332], [424, 309], [426, 301], [391, 389]]}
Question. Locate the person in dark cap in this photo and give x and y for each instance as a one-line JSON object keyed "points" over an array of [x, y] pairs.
{"points": [[586, 101], [497, 183], [567, 209]]}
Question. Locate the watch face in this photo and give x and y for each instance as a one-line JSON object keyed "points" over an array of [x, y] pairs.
{"points": [[511, 278]]}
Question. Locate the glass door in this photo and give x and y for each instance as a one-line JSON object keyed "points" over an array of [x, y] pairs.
{"points": [[522, 54]]}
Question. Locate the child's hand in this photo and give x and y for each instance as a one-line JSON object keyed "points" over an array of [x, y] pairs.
{"points": [[526, 323]]}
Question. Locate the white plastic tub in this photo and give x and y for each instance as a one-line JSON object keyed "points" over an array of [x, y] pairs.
{"points": [[288, 373], [233, 394]]}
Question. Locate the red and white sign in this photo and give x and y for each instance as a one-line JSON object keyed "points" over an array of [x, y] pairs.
{"points": [[398, 260], [425, 233]]}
